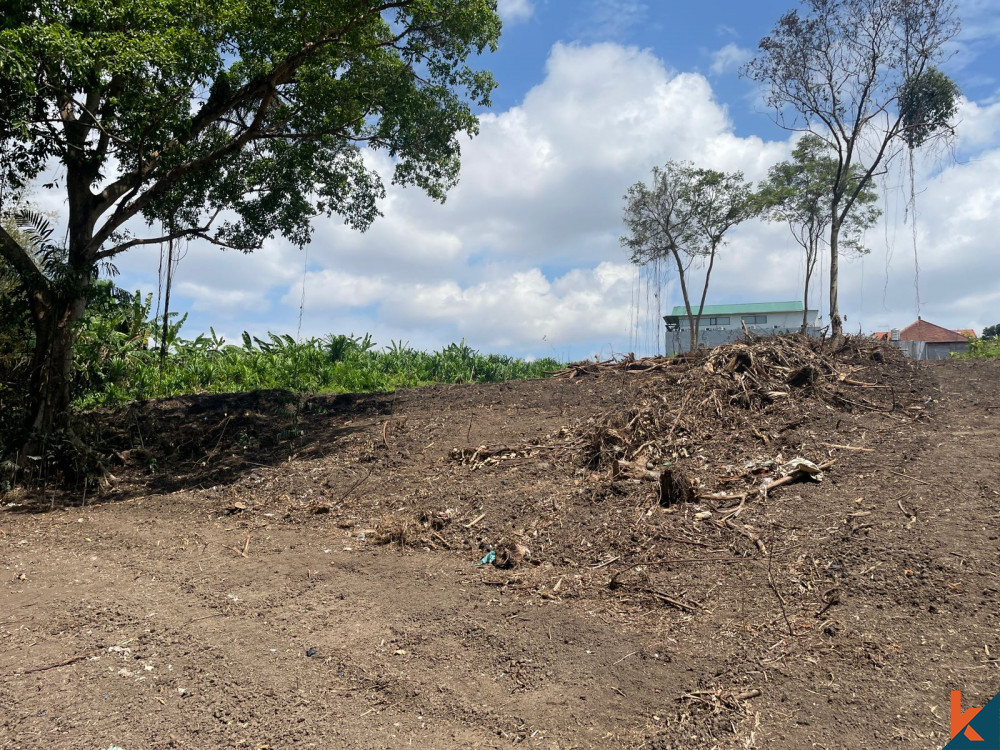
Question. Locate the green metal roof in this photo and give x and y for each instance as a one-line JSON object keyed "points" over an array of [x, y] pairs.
{"points": [[750, 308]]}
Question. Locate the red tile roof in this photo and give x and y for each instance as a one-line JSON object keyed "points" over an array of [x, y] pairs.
{"points": [[921, 330], [881, 335], [967, 332]]}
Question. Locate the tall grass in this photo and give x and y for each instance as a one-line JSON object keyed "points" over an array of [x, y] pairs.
{"points": [[118, 359], [118, 365]]}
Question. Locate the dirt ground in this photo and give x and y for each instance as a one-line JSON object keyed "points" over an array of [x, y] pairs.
{"points": [[260, 571]]}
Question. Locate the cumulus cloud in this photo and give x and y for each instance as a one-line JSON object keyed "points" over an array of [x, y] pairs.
{"points": [[545, 179], [977, 125], [520, 310]]}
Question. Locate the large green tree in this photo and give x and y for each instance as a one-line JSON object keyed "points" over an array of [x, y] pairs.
{"points": [[860, 75], [229, 122], [797, 193], [683, 216]]}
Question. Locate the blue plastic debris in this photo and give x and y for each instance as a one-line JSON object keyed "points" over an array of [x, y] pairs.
{"points": [[488, 558]]}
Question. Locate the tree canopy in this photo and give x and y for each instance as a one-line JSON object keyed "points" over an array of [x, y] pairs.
{"points": [[177, 108], [683, 216], [798, 192], [226, 121]]}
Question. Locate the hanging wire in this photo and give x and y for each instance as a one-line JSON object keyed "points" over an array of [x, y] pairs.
{"points": [[298, 332], [912, 208], [302, 299], [159, 284], [655, 322], [884, 180], [166, 298], [822, 287], [633, 309], [861, 301]]}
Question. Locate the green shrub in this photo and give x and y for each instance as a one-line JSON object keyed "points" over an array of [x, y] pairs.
{"points": [[982, 349]]}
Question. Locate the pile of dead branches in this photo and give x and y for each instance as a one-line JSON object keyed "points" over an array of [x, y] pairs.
{"points": [[740, 389], [625, 363], [758, 372]]}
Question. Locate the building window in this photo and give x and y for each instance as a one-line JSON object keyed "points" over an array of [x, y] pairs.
{"points": [[754, 319], [718, 321]]}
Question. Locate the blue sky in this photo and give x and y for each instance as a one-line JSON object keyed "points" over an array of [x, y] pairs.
{"points": [[524, 257]]}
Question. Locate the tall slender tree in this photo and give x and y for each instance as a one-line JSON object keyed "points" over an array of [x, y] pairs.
{"points": [[842, 69]]}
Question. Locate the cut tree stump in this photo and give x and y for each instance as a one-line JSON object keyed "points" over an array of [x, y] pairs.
{"points": [[676, 487]]}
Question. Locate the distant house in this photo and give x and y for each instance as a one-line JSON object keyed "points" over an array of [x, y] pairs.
{"points": [[925, 341], [723, 324]]}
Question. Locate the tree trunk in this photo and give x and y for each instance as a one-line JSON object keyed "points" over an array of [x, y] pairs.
{"points": [[54, 314], [693, 334], [836, 325], [704, 294], [810, 266], [805, 307]]}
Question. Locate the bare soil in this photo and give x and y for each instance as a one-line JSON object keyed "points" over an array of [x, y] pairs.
{"points": [[261, 571]]}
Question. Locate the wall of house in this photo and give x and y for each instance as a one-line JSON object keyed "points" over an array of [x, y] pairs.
{"points": [[782, 320], [680, 340], [922, 350]]}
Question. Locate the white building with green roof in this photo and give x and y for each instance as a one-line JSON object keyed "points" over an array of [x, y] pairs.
{"points": [[722, 324]]}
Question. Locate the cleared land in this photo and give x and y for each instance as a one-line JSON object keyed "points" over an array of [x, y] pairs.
{"points": [[263, 572]]}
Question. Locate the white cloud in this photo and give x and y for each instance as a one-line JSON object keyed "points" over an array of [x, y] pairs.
{"points": [[977, 125], [524, 256], [729, 58], [328, 289], [512, 11], [520, 310]]}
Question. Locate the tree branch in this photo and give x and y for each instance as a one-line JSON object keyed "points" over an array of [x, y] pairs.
{"points": [[262, 88], [176, 235], [21, 261]]}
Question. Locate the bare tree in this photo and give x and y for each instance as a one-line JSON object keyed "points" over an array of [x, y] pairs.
{"points": [[684, 215], [857, 73]]}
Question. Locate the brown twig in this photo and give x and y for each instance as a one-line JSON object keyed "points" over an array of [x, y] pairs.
{"points": [[64, 662], [672, 602], [441, 539], [777, 593], [354, 487], [677, 419], [832, 597], [744, 531], [475, 520], [849, 447]]}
